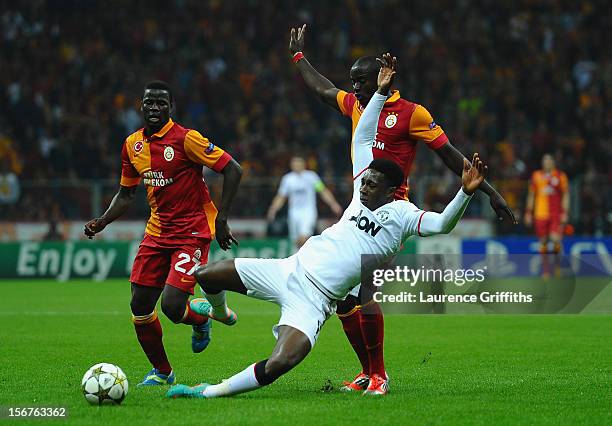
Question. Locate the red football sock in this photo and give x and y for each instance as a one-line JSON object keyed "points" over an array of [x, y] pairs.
{"points": [[149, 333], [351, 323], [373, 331], [544, 254], [192, 318]]}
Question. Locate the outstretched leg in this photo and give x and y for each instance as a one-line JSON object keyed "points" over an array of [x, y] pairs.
{"points": [[291, 348]]}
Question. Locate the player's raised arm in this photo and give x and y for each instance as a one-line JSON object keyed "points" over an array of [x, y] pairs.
{"points": [[365, 132], [431, 223], [315, 81]]}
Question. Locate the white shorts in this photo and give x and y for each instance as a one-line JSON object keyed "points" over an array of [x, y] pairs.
{"points": [[301, 224], [283, 282]]}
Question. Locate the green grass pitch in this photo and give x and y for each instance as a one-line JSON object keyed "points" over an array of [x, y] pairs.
{"points": [[479, 369]]}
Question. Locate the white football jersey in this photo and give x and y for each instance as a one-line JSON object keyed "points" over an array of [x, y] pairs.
{"points": [[333, 260], [301, 191]]}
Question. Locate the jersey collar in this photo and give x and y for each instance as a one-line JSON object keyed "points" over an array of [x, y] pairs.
{"points": [[395, 95], [162, 132]]}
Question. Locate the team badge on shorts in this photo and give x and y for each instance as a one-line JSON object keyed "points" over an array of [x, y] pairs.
{"points": [[138, 147], [168, 153], [382, 215], [391, 120], [197, 254]]}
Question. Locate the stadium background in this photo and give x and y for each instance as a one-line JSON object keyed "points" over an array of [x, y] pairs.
{"points": [[511, 80]]}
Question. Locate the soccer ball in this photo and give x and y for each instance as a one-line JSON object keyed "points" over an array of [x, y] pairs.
{"points": [[104, 384]]}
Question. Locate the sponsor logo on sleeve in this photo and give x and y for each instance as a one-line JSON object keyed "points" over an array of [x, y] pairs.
{"points": [[210, 148], [432, 125]]}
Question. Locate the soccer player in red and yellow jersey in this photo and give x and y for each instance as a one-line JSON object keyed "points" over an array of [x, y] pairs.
{"points": [[168, 158], [402, 125], [547, 207]]}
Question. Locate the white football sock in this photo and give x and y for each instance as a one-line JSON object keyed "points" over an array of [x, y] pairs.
{"points": [[244, 381], [217, 301]]}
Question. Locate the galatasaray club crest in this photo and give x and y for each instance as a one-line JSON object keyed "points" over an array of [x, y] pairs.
{"points": [[168, 153], [138, 147], [197, 254], [391, 120]]}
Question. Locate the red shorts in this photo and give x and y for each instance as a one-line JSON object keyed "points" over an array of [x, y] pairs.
{"points": [[161, 262], [547, 227]]}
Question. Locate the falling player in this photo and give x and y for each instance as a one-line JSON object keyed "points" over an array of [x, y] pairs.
{"points": [[183, 221], [308, 284], [547, 208], [401, 126], [301, 186]]}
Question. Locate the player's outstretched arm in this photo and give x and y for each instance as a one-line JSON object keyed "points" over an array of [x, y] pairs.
{"points": [[118, 206], [232, 173], [365, 132], [472, 176], [330, 200], [453, 159], [277, 203], [315, 81]]}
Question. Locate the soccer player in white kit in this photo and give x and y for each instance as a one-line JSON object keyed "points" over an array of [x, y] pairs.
{"points": [[300, 186], [307, 285]]}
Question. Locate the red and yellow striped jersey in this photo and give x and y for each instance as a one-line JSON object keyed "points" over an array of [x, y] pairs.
{"points": [[548, 190], [401, 125], [170, 165]]}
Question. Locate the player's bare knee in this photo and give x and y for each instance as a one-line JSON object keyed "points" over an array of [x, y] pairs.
{"points": [[203, 276], [172, 310], [208, 276], [140, 307]]}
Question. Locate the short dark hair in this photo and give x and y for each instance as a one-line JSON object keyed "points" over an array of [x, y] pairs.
{"points": [[393, 173], [369, 64], [159, 85]]}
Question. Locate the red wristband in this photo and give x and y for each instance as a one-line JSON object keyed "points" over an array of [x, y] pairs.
{"points": [[297, 57]]}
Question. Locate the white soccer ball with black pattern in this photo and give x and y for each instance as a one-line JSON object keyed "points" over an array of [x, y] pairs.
{"points": [[104, 384]]}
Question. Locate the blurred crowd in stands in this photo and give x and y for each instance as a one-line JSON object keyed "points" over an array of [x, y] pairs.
{"points": [[511, 80]]}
